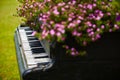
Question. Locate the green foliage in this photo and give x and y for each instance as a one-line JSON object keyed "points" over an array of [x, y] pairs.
{"points": [[85, 20]]}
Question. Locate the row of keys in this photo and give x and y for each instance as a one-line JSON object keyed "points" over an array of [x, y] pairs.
{"points": [[32, 49]]}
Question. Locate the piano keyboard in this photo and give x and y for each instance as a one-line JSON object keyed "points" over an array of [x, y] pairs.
{"points": [[32, 49]]}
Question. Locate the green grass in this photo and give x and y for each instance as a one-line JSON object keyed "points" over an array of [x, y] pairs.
{"points": [[8, 24]]}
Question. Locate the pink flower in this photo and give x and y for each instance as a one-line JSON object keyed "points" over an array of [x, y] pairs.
{"points": [[74, 33], [117, 13], [91, 34], [88, 23], [95, 0], [61, 30], [58, 34], [73, 53], [44, 34], [94, 26], [71, 25], [66, 6], [84, 11], [66, 46], [98, 18], [61, 4], [80, 5], [102, 26], [98, 36], [48, 0], [89, 6], [88, 30], [78, 21], [48, 12], [98, 29], [51, 22], [69, 19], [116, 26], [63, 9], [108, 13], [79, 34], [73, 2], [52, 32], [72, 49], [103, 2], [94, 5], [80, 17], [56, 12], [101, 14], [34, 33], [31, 6]]}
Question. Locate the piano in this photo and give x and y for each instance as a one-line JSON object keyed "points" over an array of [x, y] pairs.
{"points": [[38, 61], [31, 53]]}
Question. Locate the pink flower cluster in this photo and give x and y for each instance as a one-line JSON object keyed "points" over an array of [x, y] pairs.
{"points": [[84, 20]]}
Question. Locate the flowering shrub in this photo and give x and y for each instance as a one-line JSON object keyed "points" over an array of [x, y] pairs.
{"points": [[83, 21]]}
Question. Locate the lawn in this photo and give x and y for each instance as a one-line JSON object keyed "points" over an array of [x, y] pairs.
{"points": [[8, 24]]}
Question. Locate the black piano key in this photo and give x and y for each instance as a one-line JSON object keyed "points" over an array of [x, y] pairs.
{"points": [[45, 63], [32, 38], [38, 50], [28, 29], [41, 57], [35, 44], [29, 33]]}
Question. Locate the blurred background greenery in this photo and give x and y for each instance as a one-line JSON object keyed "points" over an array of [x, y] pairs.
{"points": [[8, 24]]}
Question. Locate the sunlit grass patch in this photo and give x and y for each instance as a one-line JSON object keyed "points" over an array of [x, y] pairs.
{"points": [[8, 23]]}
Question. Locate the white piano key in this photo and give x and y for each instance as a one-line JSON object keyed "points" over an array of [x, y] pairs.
{"points": [[31, 61], [30, 58], [32, 66], [29, 31], [42, 60], [30, 35], [29, 53], [40, 55], [26, 46], [23, 35]]}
